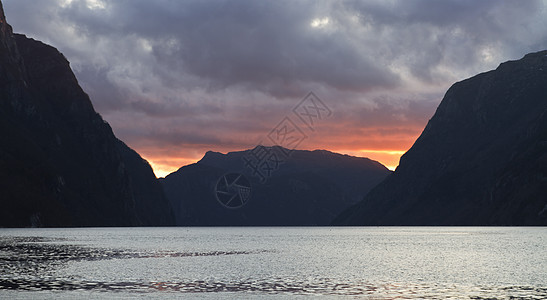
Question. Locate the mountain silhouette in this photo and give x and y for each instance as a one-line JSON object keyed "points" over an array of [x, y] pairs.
{"points": [[60, 163], [302, 188], [481, 160]]}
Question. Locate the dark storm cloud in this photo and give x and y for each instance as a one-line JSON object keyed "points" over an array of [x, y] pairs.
{"points": [[262, 45], [460, 35], [220, 71], [269, 46]]}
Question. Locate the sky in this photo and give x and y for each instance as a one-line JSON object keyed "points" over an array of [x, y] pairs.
{"points": [[178, 78]]}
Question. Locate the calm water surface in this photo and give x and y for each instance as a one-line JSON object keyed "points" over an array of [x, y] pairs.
{"points": [[357, 262]]}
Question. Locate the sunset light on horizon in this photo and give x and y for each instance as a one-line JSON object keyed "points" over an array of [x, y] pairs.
{"points": [[164, 166], [177, 79], [231, 149]]}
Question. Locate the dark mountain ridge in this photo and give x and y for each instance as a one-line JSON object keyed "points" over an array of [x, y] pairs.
{"points": [[60, 163], [307, 188], [481, 160]]}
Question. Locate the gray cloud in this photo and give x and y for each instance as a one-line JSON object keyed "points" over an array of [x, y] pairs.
{"points": [[188, 69]]}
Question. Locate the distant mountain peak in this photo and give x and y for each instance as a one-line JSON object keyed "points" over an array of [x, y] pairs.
{"points": [[5, 29], [533, 60], [235, 158], [532, 55], [7, 44], [305, 188], [2, 16]]}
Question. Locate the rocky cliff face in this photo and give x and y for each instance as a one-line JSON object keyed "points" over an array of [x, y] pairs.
{"points": [[306, 188], [60, 163], [481, 160]]}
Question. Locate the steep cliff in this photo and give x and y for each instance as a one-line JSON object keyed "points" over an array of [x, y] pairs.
{"points": [[481, 160], [60, 163]]}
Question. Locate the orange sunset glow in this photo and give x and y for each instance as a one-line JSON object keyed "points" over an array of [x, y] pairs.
{"points": [[163, 166], [181, 84], [166, 161], [230, 149]]}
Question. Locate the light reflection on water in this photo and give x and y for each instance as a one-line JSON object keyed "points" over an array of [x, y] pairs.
{"points": [[378, 263]]}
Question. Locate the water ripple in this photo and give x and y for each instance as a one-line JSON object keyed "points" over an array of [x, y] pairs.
{"points": [[31, 263], [327, 287]]}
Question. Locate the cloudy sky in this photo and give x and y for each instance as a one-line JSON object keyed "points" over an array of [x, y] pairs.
{"points": [[177, 78]]}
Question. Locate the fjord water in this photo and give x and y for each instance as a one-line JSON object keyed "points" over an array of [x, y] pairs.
{"points": [[281, 262]]}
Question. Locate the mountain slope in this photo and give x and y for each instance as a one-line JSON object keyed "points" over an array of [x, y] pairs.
{"points": [[60, 163], [481, 160], [308, 188]]}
